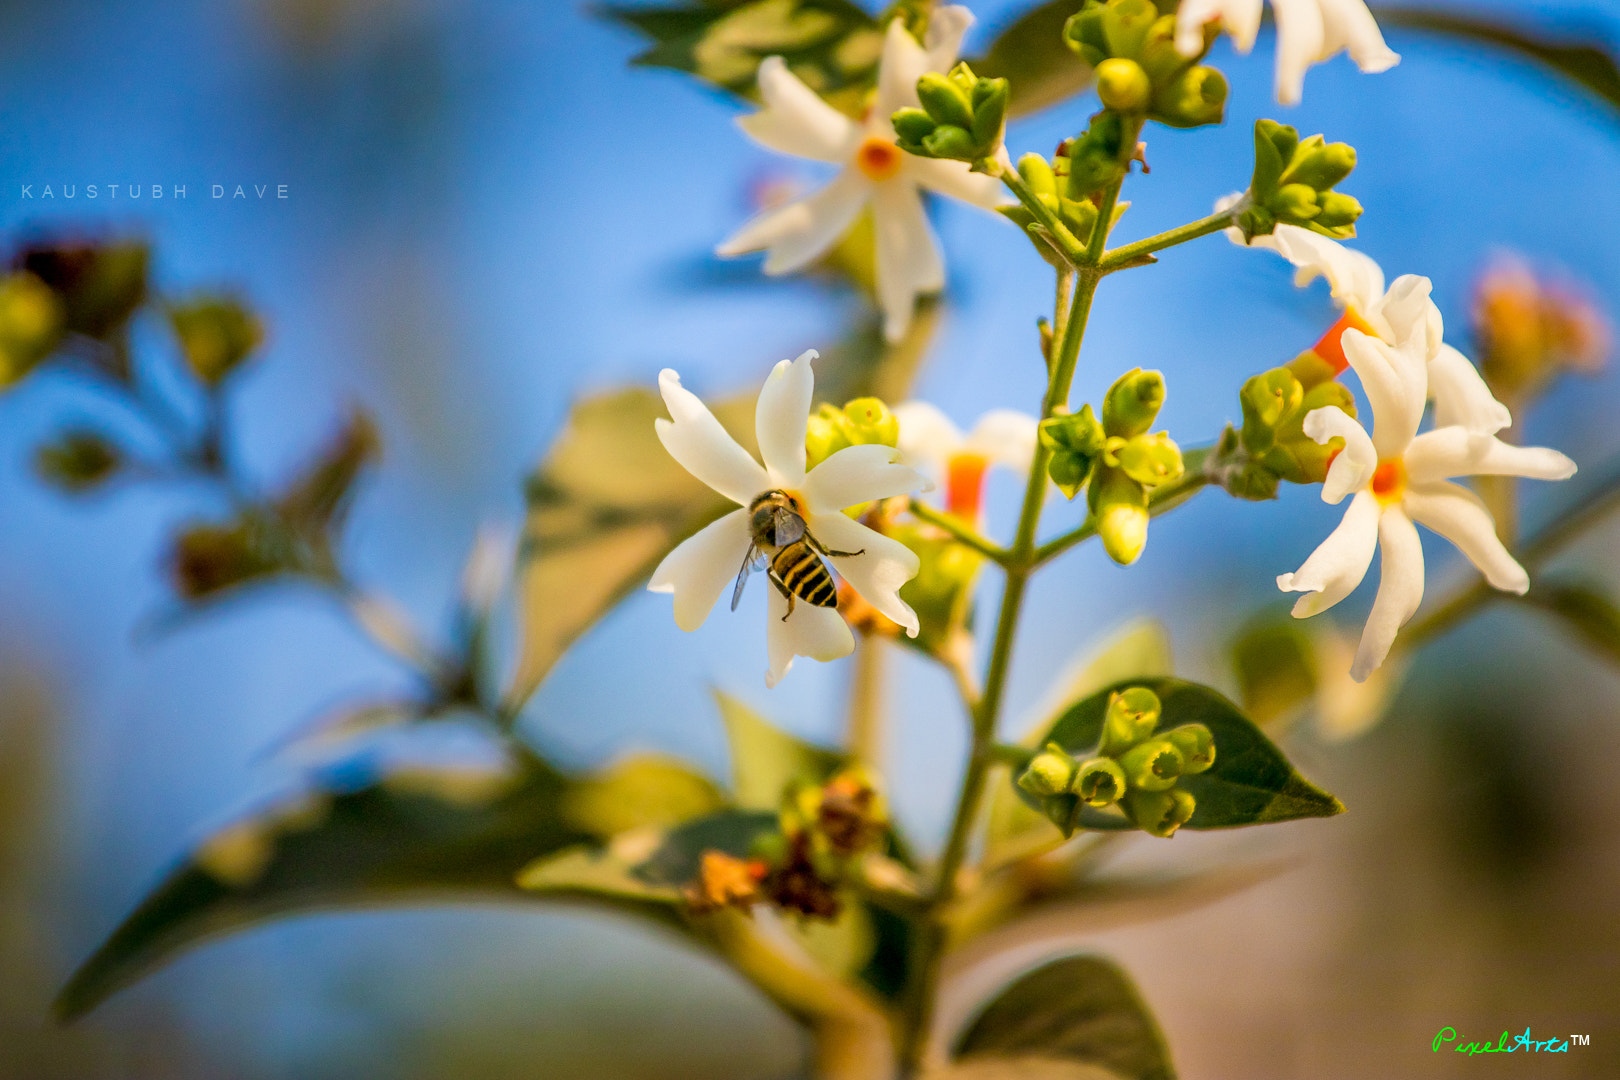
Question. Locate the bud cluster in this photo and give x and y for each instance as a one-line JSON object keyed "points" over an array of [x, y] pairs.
{"points": [[962, 117], [1293, 184], [1049, 181], [1116, 459], [1272, 445], [1132, 49], [862, 422], [1132, 766]]}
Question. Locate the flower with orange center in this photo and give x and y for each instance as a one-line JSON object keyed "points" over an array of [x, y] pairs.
{"points": [[1308, 32], [874, 171], [1397, 477], [931, 443]]}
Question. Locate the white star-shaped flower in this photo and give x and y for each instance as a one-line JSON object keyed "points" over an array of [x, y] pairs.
{"points": [[875, 171], [1459, 393], [1396, 477], [699, 570], [932, 443], [1308, 32]]}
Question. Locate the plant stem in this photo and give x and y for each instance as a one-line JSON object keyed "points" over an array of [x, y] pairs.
{"points": [[1121, 257], [1160, 499], [959, 530], [1064, 242], [866, 701]]}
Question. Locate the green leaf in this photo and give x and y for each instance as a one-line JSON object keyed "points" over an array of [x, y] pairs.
{"points": [[1585, 611], [640, 791], [1251, 782], [765, 759], [1588, 64], [355, 840], [1276, 666], [1030, 53], [1081, 1010]]}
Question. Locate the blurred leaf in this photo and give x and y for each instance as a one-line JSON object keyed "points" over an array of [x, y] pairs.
{"points": [[100, 285], [1030, 53], [1275, 660], [1251, 782], [1585, 610], [640, 791], [77, 461], [1080, 1009], [765, 759], [1587, 64], [832, 45], [318, 499], [339, 725], [208, 558], [407, 835], [216, 333]]}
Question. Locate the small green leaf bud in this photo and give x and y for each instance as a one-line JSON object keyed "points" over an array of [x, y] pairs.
{"points": [[1099, 782], [30, 325], [912, 126], [1120, 506], [870, 422], [1268, 399], [1123, 86], [951, 142], [1131, 716], [1049, 772], [1193, 98], [1320, 164], [215, 335], [1037, 173], [1133, 403], [1294, 203], [1150, 460], [1154, 765], [1159, 813], [1338, 210], [1197, 745], [945, 101], [989, 101], [78, 461]]}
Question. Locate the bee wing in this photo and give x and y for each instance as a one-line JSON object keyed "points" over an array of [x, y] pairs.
{"points": [[742, 575], [789, 528]]}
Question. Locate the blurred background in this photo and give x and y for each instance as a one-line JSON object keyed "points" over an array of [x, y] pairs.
{"points": [[489, 214]]}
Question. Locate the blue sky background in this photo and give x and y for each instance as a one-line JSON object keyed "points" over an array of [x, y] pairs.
{"points": [[489, 215]]}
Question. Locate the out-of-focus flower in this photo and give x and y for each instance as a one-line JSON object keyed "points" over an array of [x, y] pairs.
{"points": [[1308, 32], [1530, 330], [930, 442], [875, 171], [1396, 477], [703, 565]]}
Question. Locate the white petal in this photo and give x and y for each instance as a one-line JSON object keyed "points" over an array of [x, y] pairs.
{"points": [[780, 417], [1348, 24], [1460, 516], [908, 258], [1299, 45], [797, 233], [1452, 451], [1395, 379], [1400, 590], [1006, 437], [858, 474], [817, 632], [927, 436], [956, 179], [1240, 17], [1461, 397], [699, 570], [1355, 278], [903, 63], [695, 438], [1353, 469], [877, 574], [1339, 563], [943, 40], [795, 120], [1406, 311]]}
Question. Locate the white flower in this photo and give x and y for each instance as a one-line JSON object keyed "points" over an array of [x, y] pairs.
{"points": [[1460, 394], [1397, 477], [1308, 32], [875, 171], [929, 441], [701, 568]]}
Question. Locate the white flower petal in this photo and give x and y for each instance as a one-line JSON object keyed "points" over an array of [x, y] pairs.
{"points": [[927, 436], [858, 474], [903, 63], [699, 570], [1356, 280], [1005, 437], [695, 438], [957, 180], [1240, 17], [1353, 469], [877, 574], [817, 632], [1395, 379], [1406, 311], [797, 233], [795, 120], [1452, 451], [1400, 590], [943, 40], [1339, 563], [1461, 398], [1299, 45], [1349, 25], [780, 417], [1460, 516], [908, 258]]}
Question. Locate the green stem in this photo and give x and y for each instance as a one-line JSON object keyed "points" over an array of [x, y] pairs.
{"points": [[1162, 498], [959, 530], [866, 702], [1132, 254], [1063, 241]]}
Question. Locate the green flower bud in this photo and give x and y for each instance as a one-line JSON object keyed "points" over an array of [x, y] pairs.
{"points": [[945, 101], [1319, 164], [1338, 211], [1037, 173], [912, 126], [1274, 146], [1076, 442], [1125, 25], [1294, 203], [30, 325], [1193, 98], [1150, 460], [1197, 745], [989, 101], [1159, 813], [1099, 782], [1131, 716], [870, 422], [826, 433], [1154, 765], [1083, 33], [1123, 86], [951, 142], [1159, 56], [1097, 157], [1080, 217], [78, 461], [215, 335], [1268, 399], [1120, 506], [1133, 403], [1256, 221], [1049, 772]]}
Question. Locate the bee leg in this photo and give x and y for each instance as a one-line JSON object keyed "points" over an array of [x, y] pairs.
{"points": [[821, 549], [782, 588]]}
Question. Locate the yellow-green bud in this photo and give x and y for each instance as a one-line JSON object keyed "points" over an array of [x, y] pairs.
{"points": [[30, 325], [1159, 813], [1132, 403], [912, 126], [989, 101], [826, 433], [1154, 765], [1037, 173], [1049, 772], [952, 143], [1083, 32], [215, 335], [1097, 157], [1131, 716], [1125, 25], [1099, 782], [1337, 210], [1193, 98], [1320, 164], [1123, 86], [1120, 507], [870, 422], [1197, 745], [944, 100], [1295, 202], [1150, 460], [1268, 399]]}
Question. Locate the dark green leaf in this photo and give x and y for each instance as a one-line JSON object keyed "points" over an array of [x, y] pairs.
{"points": [[1588, 64], [1251, 782], [765, 759], [363, 840], [1585, 610], [1030, 54], [1082, 1010]]}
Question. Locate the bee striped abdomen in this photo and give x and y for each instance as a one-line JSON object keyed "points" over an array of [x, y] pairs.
{"points": [[803, 574]]}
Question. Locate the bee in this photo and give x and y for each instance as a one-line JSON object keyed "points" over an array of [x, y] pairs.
{"points": [[782, 544]]}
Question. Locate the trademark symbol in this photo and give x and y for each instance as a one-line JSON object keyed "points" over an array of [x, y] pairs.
{"points": [[1580, 1040]]}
